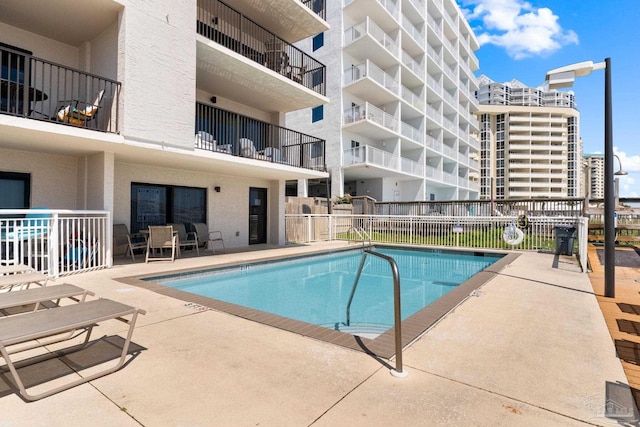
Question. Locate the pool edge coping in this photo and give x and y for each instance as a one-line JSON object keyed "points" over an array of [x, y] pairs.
{"points": [[382, 346]]}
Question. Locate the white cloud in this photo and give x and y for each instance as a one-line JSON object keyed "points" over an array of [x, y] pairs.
{"points": [[515, 25]]}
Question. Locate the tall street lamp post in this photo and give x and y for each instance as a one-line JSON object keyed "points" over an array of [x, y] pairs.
{"points": [[564, 77]]}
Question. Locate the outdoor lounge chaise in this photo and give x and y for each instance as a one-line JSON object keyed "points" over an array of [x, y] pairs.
{"points": [[22, 280], [25, 328], [15, 269], [36, 296]]}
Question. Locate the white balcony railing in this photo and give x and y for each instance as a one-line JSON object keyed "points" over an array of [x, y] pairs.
{"points": [[433, 143], [376, 157], [372, 114], [412, 64], [411, 132], [368, 27], [412, 98], [391, 7], [56, 242], [370, 70], [416, 33]]}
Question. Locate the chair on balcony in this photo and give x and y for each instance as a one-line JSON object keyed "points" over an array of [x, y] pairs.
{"points": [[79, 113], [276, 58], [247, 149], [296, 73]]}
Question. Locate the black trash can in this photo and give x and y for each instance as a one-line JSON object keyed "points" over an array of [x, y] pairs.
{"points": [[564, 239]]}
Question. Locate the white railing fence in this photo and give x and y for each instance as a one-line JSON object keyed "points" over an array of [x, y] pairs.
{"points": [[56, 242], [481, 232]]}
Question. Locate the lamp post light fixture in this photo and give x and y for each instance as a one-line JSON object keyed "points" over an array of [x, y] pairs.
{"points": [[617, 180], [564, 77]]}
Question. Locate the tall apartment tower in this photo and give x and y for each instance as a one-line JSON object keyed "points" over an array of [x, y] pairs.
{"points": [[164, 111], [594, 164], [400, 78], [529, 142]]}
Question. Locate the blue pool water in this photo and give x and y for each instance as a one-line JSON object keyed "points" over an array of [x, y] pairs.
{"points": [[316, 289]]}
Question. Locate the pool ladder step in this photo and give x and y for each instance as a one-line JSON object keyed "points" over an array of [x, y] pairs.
{"points": [[365, 330]]}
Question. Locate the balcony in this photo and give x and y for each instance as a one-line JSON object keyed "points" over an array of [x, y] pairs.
{"points": [[371, 121], [368, 40], [239, 59], [230, 133], [33, 88], [367, 81], [371, 156]]}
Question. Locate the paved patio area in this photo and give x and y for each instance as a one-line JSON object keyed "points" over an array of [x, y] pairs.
{"points": [[530, 347]]}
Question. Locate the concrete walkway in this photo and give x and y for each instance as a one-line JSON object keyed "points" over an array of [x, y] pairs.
{"points": [[529, 348]]}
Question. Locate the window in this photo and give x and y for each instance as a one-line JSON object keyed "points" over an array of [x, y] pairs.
{"points": [[318, 41], [317, 113], [15, 190], [153, 204]]}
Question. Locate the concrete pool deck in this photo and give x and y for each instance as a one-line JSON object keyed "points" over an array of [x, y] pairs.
{"points": [[529, 347]]}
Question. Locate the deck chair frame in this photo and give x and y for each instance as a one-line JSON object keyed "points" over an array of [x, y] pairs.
{"points": [[20, 329]]}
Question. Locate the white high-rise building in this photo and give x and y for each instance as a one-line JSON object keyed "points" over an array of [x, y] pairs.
{"points": [[595, 175], [530, 142], [401, 83]]}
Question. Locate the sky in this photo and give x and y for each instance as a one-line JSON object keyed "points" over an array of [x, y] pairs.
{"points": [[523, 40]]}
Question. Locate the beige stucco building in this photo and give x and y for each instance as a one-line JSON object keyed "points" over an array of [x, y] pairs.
{"points": [[530, 142], [159, 112]]}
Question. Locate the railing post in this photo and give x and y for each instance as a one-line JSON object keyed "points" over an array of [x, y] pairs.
{"points": [[53, 250]]}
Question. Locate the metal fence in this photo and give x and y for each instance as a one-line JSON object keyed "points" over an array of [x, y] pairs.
{"points": [[478, 232], [42, 90], [56, 242], [532, 207], [226, 26], [232, 133]]}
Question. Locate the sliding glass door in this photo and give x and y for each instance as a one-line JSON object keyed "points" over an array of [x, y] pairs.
{"points": [[153, 204]]}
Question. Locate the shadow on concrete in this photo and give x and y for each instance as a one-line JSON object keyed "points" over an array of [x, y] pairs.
{"points": [[41, 369]]}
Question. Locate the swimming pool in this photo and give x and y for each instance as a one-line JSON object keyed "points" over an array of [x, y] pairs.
{"points": [[310, 292]]}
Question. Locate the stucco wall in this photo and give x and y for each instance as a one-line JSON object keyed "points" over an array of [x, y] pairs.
{"points": [[41, 47], [53, 177], [157, 61], [227, 210]]}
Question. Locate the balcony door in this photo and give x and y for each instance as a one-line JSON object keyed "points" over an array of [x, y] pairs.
{"points": [[257, 216]]}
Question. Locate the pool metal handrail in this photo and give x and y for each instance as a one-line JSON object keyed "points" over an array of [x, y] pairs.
{"points": [[362, 235], [397, 372]]}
